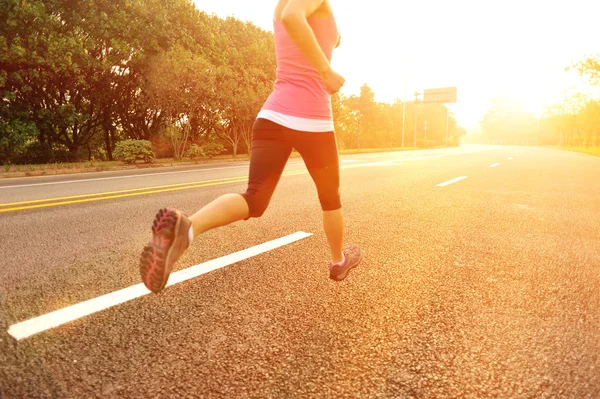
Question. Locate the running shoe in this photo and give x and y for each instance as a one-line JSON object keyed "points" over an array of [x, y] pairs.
{"points": [[352, 259], [169, 240]]}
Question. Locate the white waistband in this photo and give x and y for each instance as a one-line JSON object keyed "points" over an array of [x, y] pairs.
{"points": [[296, 123]]}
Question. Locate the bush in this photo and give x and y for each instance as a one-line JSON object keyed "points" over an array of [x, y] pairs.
{"points": [[100, 154], [162, 147], [453, 142], [130, 151], [194, 152], [211, 150], [426, 143]]}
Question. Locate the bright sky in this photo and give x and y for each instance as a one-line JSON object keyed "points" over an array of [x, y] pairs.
{"points": [[487, 48]]}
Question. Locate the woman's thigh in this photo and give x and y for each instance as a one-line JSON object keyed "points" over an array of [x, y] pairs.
{"points": [[320, 154]]}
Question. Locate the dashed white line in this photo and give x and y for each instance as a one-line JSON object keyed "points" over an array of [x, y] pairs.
{"points": [[370, 164], [423, 157], [54, 319], [494, 165], [449, 182], [397, 161], [351, 166], [510, 159]]}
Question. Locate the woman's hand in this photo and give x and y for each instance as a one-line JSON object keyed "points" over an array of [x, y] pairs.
{"points": [[333, 80]]}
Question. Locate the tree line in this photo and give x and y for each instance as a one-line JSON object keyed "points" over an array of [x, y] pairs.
{"points": [[77, 77], [572, 122], [362, 122]]}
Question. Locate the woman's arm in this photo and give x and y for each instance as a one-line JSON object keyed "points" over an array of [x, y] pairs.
{"points": [[294, 20]]}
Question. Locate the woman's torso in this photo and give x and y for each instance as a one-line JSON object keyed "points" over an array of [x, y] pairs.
{"points": [[299, 99]]}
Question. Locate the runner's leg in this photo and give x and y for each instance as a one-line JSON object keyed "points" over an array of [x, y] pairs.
{"points": [[333, 225], [224, 210], [268, 158], [319, 151]]}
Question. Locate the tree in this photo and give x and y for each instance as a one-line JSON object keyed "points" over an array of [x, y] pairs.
{"points": [[575, 122], [181, 84], [591, 123], [367, 108], [395, 111], [346, 121], [383, 128], [505, 123], [589, 68], [71, 64], [43, 69], [245, 81]]}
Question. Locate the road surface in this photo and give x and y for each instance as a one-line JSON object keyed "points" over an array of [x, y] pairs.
{"points": [[480, 278]]}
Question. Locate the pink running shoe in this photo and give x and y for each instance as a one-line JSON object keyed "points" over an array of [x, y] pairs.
{"points": [[169, 241], [352, 259]]}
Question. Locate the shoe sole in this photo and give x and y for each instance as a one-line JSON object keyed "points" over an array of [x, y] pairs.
{"points": [[340, 277], [155, 265]]}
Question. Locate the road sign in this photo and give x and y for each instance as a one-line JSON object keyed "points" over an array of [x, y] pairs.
{"points": [[440, 95]]}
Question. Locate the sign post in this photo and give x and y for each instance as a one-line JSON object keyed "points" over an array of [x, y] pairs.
{"points": [[403, 113], [442, 95], [415, 118]]}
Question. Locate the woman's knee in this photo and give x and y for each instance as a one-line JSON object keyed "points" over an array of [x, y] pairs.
{"points": [[330, 200], [257, 205]]}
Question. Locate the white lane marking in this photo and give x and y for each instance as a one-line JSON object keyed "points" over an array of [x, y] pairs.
{"points": [[421, 158], [510, 159], [121, 177], [54, 319], [132, 176], [494, 165], [449, 182], [397, 161], [369, 164], [355, 165], [381, 163]]}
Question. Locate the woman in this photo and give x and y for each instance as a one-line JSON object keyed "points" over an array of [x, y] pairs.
{"points": [[297, 115]]}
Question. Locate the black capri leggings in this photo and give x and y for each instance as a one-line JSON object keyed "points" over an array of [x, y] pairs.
{"points": [[272, 145]]}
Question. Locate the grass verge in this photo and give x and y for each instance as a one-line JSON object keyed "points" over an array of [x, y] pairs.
{"points": [[594, 151], [8, 171]]}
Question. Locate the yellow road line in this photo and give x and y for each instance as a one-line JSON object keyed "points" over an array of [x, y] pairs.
{"points": [[120, 191], [133, 194]]}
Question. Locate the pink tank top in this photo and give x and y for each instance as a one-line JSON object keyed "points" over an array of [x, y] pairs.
{"points": [[299, 91]]}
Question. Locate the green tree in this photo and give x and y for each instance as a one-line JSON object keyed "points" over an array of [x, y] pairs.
{"points": [[591, 123], [42, 71], [395, 111], [346, 121], [383, 125], [245, 81], [505, 123], [589, 68], [367, 108], [181, 84]]}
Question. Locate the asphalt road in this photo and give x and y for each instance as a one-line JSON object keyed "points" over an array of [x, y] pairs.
{"points": [[487, 287]]}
